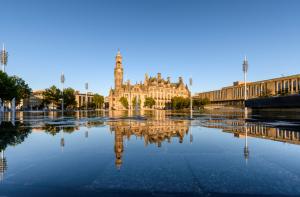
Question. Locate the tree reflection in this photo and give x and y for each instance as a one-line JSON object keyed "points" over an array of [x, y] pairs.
{"points": [[10, 135]]}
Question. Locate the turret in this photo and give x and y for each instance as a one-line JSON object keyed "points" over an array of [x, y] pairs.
{"points": [[146, 79], [158, 76], [180, 80], [169, 79]]}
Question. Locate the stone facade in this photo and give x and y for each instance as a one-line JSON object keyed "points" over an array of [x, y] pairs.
{"points": [[161, 90]]}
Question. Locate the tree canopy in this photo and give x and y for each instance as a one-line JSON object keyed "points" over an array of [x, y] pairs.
{"points": [[69, 98], [124, 102], [200, 102], [13, 87], [54, 95], [179, 102], [98, 100], [149, 102]]}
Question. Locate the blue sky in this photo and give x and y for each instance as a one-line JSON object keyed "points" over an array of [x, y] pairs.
{"points": [[205, 40]]}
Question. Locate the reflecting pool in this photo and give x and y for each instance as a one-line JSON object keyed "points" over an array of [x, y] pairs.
{"points": [[155, 153]]}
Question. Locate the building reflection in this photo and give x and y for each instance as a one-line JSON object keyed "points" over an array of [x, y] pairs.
{"points": [[154, 131], [242, 127], [67, 128], [255, 129]]}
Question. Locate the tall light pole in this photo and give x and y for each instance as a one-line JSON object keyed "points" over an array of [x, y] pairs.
{"points": [[191, 101], [86, 97], [245, 70], [4, 56], [62, 80]]}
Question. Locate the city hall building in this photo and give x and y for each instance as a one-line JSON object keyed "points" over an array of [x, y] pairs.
{"points": [[161, 90]]}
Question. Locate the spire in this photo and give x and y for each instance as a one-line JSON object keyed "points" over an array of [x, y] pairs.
{"points": [[118, 53], [3, 47]]}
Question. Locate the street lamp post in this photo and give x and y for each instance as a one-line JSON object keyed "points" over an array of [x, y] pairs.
{"points": [[62, 80], [4, 56], [86, 97], [191, 101], [245, 70]]}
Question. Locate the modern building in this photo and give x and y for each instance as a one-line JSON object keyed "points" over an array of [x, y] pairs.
{"points": [[161, 90], [235, 94], [83, 98], [34, 102]]}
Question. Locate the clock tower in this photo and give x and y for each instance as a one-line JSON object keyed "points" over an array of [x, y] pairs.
{"points": [[118, 71]]}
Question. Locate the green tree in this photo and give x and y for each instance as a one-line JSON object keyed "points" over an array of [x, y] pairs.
{"points": [[13, 87], [98, 100], [69, 98], [52, 95], [179, 102], [22, 89], [124, 102], [149, 102], [200, 102], [7, 90]]}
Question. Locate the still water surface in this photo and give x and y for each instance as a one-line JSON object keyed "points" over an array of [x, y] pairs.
{"points": [[150, 154]]}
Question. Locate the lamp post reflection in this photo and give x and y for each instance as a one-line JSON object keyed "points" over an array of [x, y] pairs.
{"points": [[246, 149], [86, 134], [3, 165], [191, 134], [62, 140]]}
